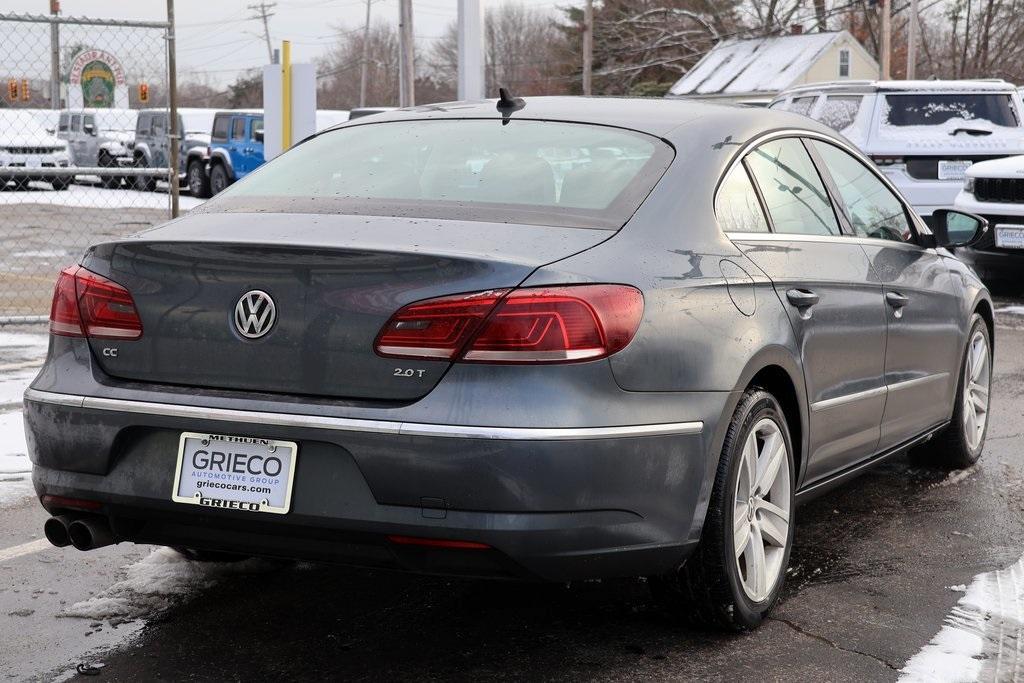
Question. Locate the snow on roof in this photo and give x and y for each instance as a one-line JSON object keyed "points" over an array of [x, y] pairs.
{"points": [[765, 65]]}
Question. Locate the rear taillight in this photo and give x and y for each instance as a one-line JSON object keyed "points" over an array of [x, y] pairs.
{"points": [[537, 325], [89, 305]]}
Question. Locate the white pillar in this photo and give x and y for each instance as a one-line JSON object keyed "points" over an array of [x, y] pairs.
{"points": [[471, 50]]}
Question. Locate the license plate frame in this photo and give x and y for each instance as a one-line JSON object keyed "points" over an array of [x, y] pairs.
{"points": [[1009, 236], [953, 170], [260, 492]]}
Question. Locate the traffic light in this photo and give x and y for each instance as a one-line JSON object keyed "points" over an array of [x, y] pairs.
{"points": [[26, 94], [12, 90], [143, 92]]}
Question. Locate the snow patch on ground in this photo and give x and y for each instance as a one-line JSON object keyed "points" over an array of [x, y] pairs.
{"points": [[155, 583], [15, 467], [980, 636], [93, 197], [1010, 310], [955, 477]]}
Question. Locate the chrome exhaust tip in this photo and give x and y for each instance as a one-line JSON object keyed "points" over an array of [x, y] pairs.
{"points": [[56, 530], [89, 533]]}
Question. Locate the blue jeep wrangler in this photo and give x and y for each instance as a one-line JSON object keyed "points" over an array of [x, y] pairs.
{"points": [[236, 149]]}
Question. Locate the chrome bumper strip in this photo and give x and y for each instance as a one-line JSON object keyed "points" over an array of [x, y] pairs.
{"points": [[346, 424]]}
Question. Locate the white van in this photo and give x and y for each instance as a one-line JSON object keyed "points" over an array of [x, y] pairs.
{"points": [[922, 134]]}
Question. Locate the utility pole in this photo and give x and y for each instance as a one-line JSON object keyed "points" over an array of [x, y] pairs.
{"points": [[54, 56], [262, 11], [470, 23], [366, 56], [912, 35], [588, 47], [885, 21], [406, 61], [174, 135]]}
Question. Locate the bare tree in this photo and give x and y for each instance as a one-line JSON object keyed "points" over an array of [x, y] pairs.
{"points": [[338, 72], [522, 52]]}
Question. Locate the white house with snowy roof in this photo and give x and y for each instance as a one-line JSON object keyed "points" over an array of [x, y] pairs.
{"points": [[756, 70]]}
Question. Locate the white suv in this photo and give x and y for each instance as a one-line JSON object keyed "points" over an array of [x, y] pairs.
{"points": [[922, 134], [995, 190], [25, 143]]}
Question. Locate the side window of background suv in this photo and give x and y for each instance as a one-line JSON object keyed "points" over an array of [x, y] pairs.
{"points": [[874, 211], [792, 189]]}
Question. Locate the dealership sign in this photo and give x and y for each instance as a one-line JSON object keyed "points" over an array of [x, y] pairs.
{"points": [[97, 80]]}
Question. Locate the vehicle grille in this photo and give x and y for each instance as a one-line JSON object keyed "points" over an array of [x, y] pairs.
{"points": [[30, 150], [1004, 190]]}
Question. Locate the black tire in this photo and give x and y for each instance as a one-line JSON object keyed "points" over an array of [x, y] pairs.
{"points": [[61, 184], [950, 448], [194, 555], [218, 179], [140, 182], [198, 181], [707, 590], [109, 182]]}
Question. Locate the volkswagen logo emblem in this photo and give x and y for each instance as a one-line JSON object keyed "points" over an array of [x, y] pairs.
{"points": [[255, 314]]}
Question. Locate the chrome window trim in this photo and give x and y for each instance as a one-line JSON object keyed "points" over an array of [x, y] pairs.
{"points": [[345, 424], [847, 399], [800, 237], [841, 144]]}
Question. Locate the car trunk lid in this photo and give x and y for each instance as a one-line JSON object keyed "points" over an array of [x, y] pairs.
{"points": [[335, 280]]}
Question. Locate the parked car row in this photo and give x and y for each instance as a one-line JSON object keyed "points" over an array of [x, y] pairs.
{"points": [[139, 138], [944, 144]]}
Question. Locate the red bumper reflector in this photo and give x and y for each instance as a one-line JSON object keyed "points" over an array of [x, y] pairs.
{"points": [[70, 503], [438, 543]]}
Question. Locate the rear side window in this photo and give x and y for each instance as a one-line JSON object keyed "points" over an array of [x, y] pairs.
{"points": [[839, 111], [62, 124], [873, 210], [257, 127], [76, 122], [737, 206], [518, 171], [934, 109], [220, 129], [792, 189], [802, 105], [238, 129]]}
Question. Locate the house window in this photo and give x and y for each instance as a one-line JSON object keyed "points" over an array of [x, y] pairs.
{"points": [[844, 63]]}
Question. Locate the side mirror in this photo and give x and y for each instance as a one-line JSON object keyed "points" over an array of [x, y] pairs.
{"points": [[953, 228], [258, 134], [89, 129]]}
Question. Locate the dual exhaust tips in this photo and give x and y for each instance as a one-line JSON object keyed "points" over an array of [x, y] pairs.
{"points": [[84, 533]]}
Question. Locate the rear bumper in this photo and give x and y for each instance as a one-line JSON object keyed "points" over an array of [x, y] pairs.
{"points": [[561, 504]]}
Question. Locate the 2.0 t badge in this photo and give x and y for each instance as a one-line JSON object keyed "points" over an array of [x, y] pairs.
{"points": [[255, 314]]}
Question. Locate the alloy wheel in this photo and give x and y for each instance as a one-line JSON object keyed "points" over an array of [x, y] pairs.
{"points": [[976, 388], [761, 512]]}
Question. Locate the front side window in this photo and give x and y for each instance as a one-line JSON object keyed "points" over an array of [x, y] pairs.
{"points": [[62, 123], [76, 123], [257, 127], [220, 129], [839, 111], [737, 206], [89, 120], [949, 110], [537, 172], [238, 129], [873, 210], [792, 189]]}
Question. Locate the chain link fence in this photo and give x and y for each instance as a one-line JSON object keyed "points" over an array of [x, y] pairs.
{"points": [[84, 145]]}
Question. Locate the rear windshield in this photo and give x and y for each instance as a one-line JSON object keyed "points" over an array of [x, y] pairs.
{"points": [[932, 109], [523, 171]]}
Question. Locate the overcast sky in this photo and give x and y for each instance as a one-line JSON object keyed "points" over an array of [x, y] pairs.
{"points": [[217, 38]]}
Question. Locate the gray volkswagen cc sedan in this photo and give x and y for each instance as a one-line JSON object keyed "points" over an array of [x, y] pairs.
{"points": [[558, 338]]}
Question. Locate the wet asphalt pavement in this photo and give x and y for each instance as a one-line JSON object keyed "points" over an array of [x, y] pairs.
{"points": [[869, 585]]}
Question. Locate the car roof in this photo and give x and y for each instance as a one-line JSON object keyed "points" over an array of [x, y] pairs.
{"points": [[854, 86], [655, 116]]}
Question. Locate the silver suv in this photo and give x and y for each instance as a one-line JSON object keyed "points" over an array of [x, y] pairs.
{"points": [[99, 137], [923, 135], [152, 148]]}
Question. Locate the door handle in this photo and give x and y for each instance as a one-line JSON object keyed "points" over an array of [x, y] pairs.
{"points": [[896, 300], [802, 298]]}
